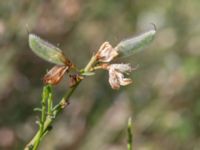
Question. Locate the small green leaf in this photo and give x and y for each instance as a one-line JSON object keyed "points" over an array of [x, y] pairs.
{"points": [[46, 50], [88, 73], [37, 109], [132, 45]]}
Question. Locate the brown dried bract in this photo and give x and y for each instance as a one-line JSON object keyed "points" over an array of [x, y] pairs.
{"points": [[55, 75], [74, 79], [68, 63]]}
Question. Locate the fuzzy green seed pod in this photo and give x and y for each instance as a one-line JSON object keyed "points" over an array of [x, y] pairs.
{"points": [[132, 45], [47, 51]]}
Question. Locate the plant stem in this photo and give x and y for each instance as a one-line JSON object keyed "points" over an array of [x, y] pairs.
{"points": [[50, 104], [45, 95], [45, 128], [91, 63], [129, 132]]}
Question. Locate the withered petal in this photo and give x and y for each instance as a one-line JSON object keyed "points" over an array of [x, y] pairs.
{"points": [[55, 75], [116, 76], [125, 81], [106, 52]]}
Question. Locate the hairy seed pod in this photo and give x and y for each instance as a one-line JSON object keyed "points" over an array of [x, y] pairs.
{"points": [[132, 45], [47, 51]]}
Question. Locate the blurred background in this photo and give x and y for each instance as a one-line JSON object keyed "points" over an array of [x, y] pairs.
{"points": [[164, 100]]}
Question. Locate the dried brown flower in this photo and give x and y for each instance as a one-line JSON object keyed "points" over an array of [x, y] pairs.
{"points": [[55, 75], [106, 53], [116, 75]]}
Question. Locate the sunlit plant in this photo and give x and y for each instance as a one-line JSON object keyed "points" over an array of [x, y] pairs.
{"points": [[102, 60]]}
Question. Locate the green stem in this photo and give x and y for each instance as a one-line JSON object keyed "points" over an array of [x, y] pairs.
{"points": [[33, 144], [90, 64], [129, 132], [38, 139], [50, 104], [45, 96]]}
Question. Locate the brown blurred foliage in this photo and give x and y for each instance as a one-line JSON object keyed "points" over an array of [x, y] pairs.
{"points": [[164, 100]]}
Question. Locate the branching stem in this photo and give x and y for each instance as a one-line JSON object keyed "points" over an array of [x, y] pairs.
{"points": [[48, 119]]}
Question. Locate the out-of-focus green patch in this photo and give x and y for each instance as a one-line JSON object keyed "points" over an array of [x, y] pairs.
{"points": [[184, 130], [197, 108], [191, 67], [176, 125], [6, 68]]}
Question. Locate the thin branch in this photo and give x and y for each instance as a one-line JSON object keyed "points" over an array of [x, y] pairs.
{"points": [[129, 134], [46, 125]]}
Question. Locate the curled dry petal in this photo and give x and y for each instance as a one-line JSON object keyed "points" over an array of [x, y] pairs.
{"points": [[106, 53], [113, 79], [116, 76], [124, 68], [122, 80], [55, 75]]}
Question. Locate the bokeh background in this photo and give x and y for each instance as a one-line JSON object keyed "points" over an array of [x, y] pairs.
{"points": [[164, 100]]}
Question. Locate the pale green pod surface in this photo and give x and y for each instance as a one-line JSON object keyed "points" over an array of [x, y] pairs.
{"points": [[46, 50], [132, 45]]}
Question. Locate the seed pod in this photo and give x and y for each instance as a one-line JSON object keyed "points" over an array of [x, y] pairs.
{"points": [[132, 45], [47, 51]]}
